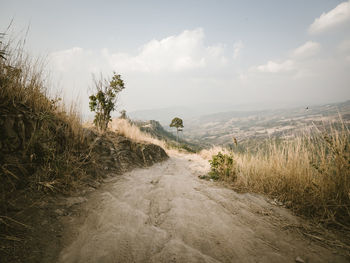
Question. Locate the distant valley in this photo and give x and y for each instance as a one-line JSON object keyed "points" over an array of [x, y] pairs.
{"points": [[247, 126]]}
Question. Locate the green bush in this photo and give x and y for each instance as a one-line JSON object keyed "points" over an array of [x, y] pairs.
{"points": [[223, 167]]}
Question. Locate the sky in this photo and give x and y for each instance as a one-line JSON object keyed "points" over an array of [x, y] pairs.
{"points": [[216, 55]]}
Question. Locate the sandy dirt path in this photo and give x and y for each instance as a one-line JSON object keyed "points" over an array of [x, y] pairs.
{"points": [[166, 214]]}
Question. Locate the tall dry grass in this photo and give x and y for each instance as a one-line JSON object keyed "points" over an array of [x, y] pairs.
{"points": [[42, 140], [42, 149], [310, 174], [131, 131]]}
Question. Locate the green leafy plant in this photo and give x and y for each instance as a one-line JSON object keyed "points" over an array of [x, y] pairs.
{"points": [[104, 101], [223, 166]]}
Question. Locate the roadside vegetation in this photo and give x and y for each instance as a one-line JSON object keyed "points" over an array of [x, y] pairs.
{"points": [[309, 174], [43, 152], [42, 144]]}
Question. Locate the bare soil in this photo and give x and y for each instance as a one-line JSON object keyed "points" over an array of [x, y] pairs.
{"points": [[165, 213]]}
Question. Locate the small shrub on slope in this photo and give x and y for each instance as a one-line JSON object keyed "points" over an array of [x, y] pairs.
{"points": [[223, 167]]}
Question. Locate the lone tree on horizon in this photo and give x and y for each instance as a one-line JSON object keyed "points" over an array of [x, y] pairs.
{"points": [[178, 124], [105, 99]]}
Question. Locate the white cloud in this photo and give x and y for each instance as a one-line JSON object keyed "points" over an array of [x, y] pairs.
{"points": [[337, 16], [344, 46], [183, 52], [64, 58], [78, 61], [179, 53], [296, 57], [344, 50], [306, 50], [276, 67], [237, 47]]}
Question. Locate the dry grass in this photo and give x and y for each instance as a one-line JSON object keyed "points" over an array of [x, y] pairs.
{"points": [[41, 145], [42, 149], [126, 128], [131, 131], [310, 174]]}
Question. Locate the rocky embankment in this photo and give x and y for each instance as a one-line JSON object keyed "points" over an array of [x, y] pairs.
{"points": [[119, 154]]}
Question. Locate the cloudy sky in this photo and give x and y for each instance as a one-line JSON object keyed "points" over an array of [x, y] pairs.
{"points": [[215, 54]]}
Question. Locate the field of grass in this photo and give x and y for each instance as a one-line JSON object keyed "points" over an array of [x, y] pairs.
{"points": [[309, 174]]}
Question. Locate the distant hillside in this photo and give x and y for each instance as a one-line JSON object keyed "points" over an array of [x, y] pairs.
{"points": [[252, 126], [156, 130], [248, 126], [196, 110]]}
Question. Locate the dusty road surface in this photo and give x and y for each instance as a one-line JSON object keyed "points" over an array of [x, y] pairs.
{"points": [[166, 214]]}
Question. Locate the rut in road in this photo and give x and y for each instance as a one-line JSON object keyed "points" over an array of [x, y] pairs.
{"points": [[166, 214]]}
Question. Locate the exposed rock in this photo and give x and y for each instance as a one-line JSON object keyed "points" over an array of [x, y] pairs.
{"points": [[299, 260]]}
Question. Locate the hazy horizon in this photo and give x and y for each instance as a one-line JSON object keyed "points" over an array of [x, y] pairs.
{"points": [[165, 115], [208, 57]]}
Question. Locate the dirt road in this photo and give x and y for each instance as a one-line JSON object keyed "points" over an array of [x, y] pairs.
{"points": [[166, 214]]}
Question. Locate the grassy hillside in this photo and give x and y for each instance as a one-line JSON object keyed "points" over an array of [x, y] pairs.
{"points": [[43, 151], [41, 144]]}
